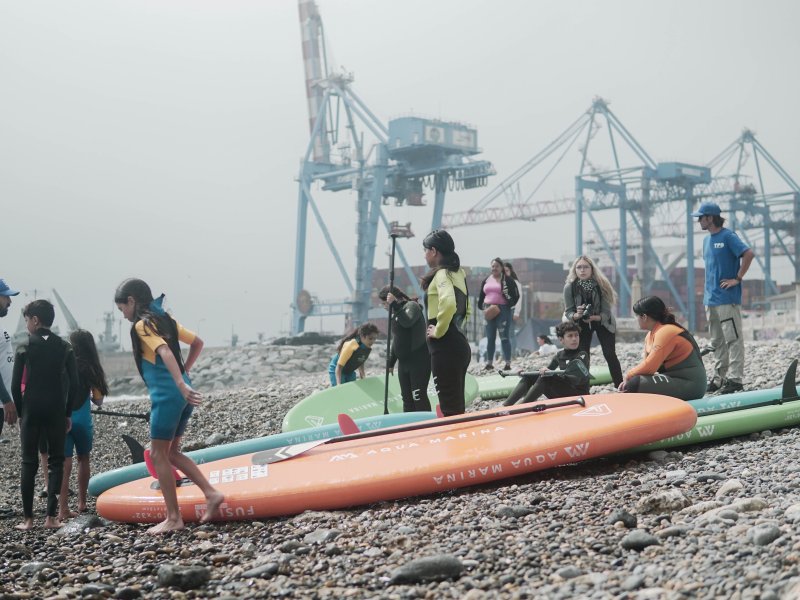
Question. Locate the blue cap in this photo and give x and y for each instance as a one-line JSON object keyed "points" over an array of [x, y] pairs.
{"points": [[707, 209], [5, 290]]}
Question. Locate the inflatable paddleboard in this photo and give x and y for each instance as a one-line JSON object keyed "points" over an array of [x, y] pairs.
{"points": [[492, 387], [361, 398], [104, 481], [447, 454]]}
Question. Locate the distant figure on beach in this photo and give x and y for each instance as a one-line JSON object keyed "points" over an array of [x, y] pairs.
{"points": [[409, 348], [45, 407], [92, 388], [497, 298], [351, 354], [546, 346], [672, 365], [727, 260], [589, 300], [531, 387], [155, 339], [511, 275], [447, 306]]}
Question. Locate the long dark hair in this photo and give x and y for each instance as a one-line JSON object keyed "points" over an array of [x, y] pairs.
{"points": [[445, 246], [154, 320], [654, 307], [395, 291], [513, 273], [90, 371], [360, 332]]}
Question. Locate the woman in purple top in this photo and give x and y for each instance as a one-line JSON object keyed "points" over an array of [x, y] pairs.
{"points": [[502, 292]]}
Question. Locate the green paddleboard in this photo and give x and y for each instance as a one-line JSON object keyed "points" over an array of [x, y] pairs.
{"points": [[492, 387], [361, 398]]}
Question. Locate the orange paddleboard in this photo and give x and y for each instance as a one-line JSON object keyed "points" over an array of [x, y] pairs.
{"points": [[400, 464]]}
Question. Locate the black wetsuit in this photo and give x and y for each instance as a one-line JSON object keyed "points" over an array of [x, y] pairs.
{"points": [[409, 346], [50, 392], [530, 387]]}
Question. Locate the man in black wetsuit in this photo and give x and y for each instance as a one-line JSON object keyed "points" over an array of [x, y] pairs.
{"points": [[46, 406], [531, 387]]}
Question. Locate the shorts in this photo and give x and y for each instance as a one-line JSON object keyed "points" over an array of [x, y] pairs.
{"points": [[78, 441], [169, 413]]}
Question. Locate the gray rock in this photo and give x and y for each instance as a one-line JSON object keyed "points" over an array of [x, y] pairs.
{"points": [[763, 534], [503, 510], [674, 531], [729, 488], [33, 568], [321, 536], [80, 524], [666, 501], [569, 572], [429, 568], [624, 516], [264, 571], [709, 476], [792, 513], [215, 439], [185, 578], [127, 593], [638, 540], [632, 582]]}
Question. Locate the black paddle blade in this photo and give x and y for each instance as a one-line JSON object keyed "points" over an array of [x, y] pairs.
{"points": [[576, 373], [137, 450], [789, 385]]}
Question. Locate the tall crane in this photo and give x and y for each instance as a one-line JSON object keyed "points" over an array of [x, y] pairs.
{"points": [[350, 149]]}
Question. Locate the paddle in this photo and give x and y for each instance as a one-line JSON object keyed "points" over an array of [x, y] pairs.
{"points": [[275, 455], [111, 413], [576, 373]]}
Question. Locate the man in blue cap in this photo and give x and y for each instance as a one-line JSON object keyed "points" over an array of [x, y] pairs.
{"points": [[727, 260], [6, 358]]}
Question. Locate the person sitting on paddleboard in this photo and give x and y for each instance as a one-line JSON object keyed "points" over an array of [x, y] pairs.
{"points": [[546, 346], [531, 387], [92, 388], [410, 348], [447, 302], [672, 365], [156, 338], [351, 354]]}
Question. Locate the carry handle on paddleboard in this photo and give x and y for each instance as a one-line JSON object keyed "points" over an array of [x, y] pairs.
{"points": [[275, 455]]}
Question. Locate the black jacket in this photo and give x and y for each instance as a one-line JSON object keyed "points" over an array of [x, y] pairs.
{"points": [[509, 289]]}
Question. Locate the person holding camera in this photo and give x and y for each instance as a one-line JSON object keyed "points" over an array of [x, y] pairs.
{"points": [[589, 300]]}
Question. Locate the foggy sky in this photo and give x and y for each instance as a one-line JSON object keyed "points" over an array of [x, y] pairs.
{"points": [[162, 139]]}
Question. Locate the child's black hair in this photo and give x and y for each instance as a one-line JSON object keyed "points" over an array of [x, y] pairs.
{"points": [[546, 338], [42, 309], [90, 371], [563, 328], [360, 332]]}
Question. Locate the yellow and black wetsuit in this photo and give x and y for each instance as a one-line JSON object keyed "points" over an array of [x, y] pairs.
{"points": [[447, 303]]}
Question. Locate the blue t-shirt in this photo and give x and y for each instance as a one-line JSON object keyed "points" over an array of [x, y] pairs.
{"points": [[722, 252]]}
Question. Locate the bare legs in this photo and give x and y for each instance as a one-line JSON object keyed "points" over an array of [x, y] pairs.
{"points": [[83, 484], [165, 454]]}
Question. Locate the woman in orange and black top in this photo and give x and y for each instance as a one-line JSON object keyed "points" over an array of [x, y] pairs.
{"points": [[672, 365]]}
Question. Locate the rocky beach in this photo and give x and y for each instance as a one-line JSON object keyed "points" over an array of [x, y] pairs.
{"points": [[718, 520]]}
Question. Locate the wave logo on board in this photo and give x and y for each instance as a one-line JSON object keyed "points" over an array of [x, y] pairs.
{"points": [[600, 410], [314, 420]]}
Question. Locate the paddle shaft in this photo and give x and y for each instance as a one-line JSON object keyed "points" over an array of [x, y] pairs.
{"points": [[389, 329], [111, 413], [533, 408]]}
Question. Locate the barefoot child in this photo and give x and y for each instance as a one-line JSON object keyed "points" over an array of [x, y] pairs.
{"points": [[155, 337], [92, 387], [46, 406]]}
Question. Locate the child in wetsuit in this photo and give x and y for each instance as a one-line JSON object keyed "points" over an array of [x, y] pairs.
{"points": [[46, 406], [351, 354], [92, 388], [156, 338], [530, 387]]}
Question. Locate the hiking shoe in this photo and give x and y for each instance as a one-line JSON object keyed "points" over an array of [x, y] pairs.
{"points": [[488, 367], [43, 493], [507, 367], [730, 387], [712, 387]]}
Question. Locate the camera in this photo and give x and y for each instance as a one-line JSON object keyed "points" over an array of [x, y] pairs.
{"points": [[586, 313]]}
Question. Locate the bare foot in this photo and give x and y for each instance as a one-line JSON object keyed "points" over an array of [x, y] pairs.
{"points": [[25, 525], [166, 526], [69, 514], [52, 523], [81, 508], [213, 502]]}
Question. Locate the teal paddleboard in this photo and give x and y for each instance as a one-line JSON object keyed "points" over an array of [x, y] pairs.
{"points": [[104, 481], [361, 398], [492, 387]]}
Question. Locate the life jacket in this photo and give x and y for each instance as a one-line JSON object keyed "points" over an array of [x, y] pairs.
{"points": [[358, 358]]}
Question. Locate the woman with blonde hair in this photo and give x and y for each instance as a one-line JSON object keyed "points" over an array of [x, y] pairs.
{"points": [[589, 300]]}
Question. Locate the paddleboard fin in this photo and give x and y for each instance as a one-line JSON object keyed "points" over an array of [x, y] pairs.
{"points": [[347, 425], [136, 449], [789, 385]]}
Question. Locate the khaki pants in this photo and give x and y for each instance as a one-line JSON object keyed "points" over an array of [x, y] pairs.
{"points": [[725, 329]]}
